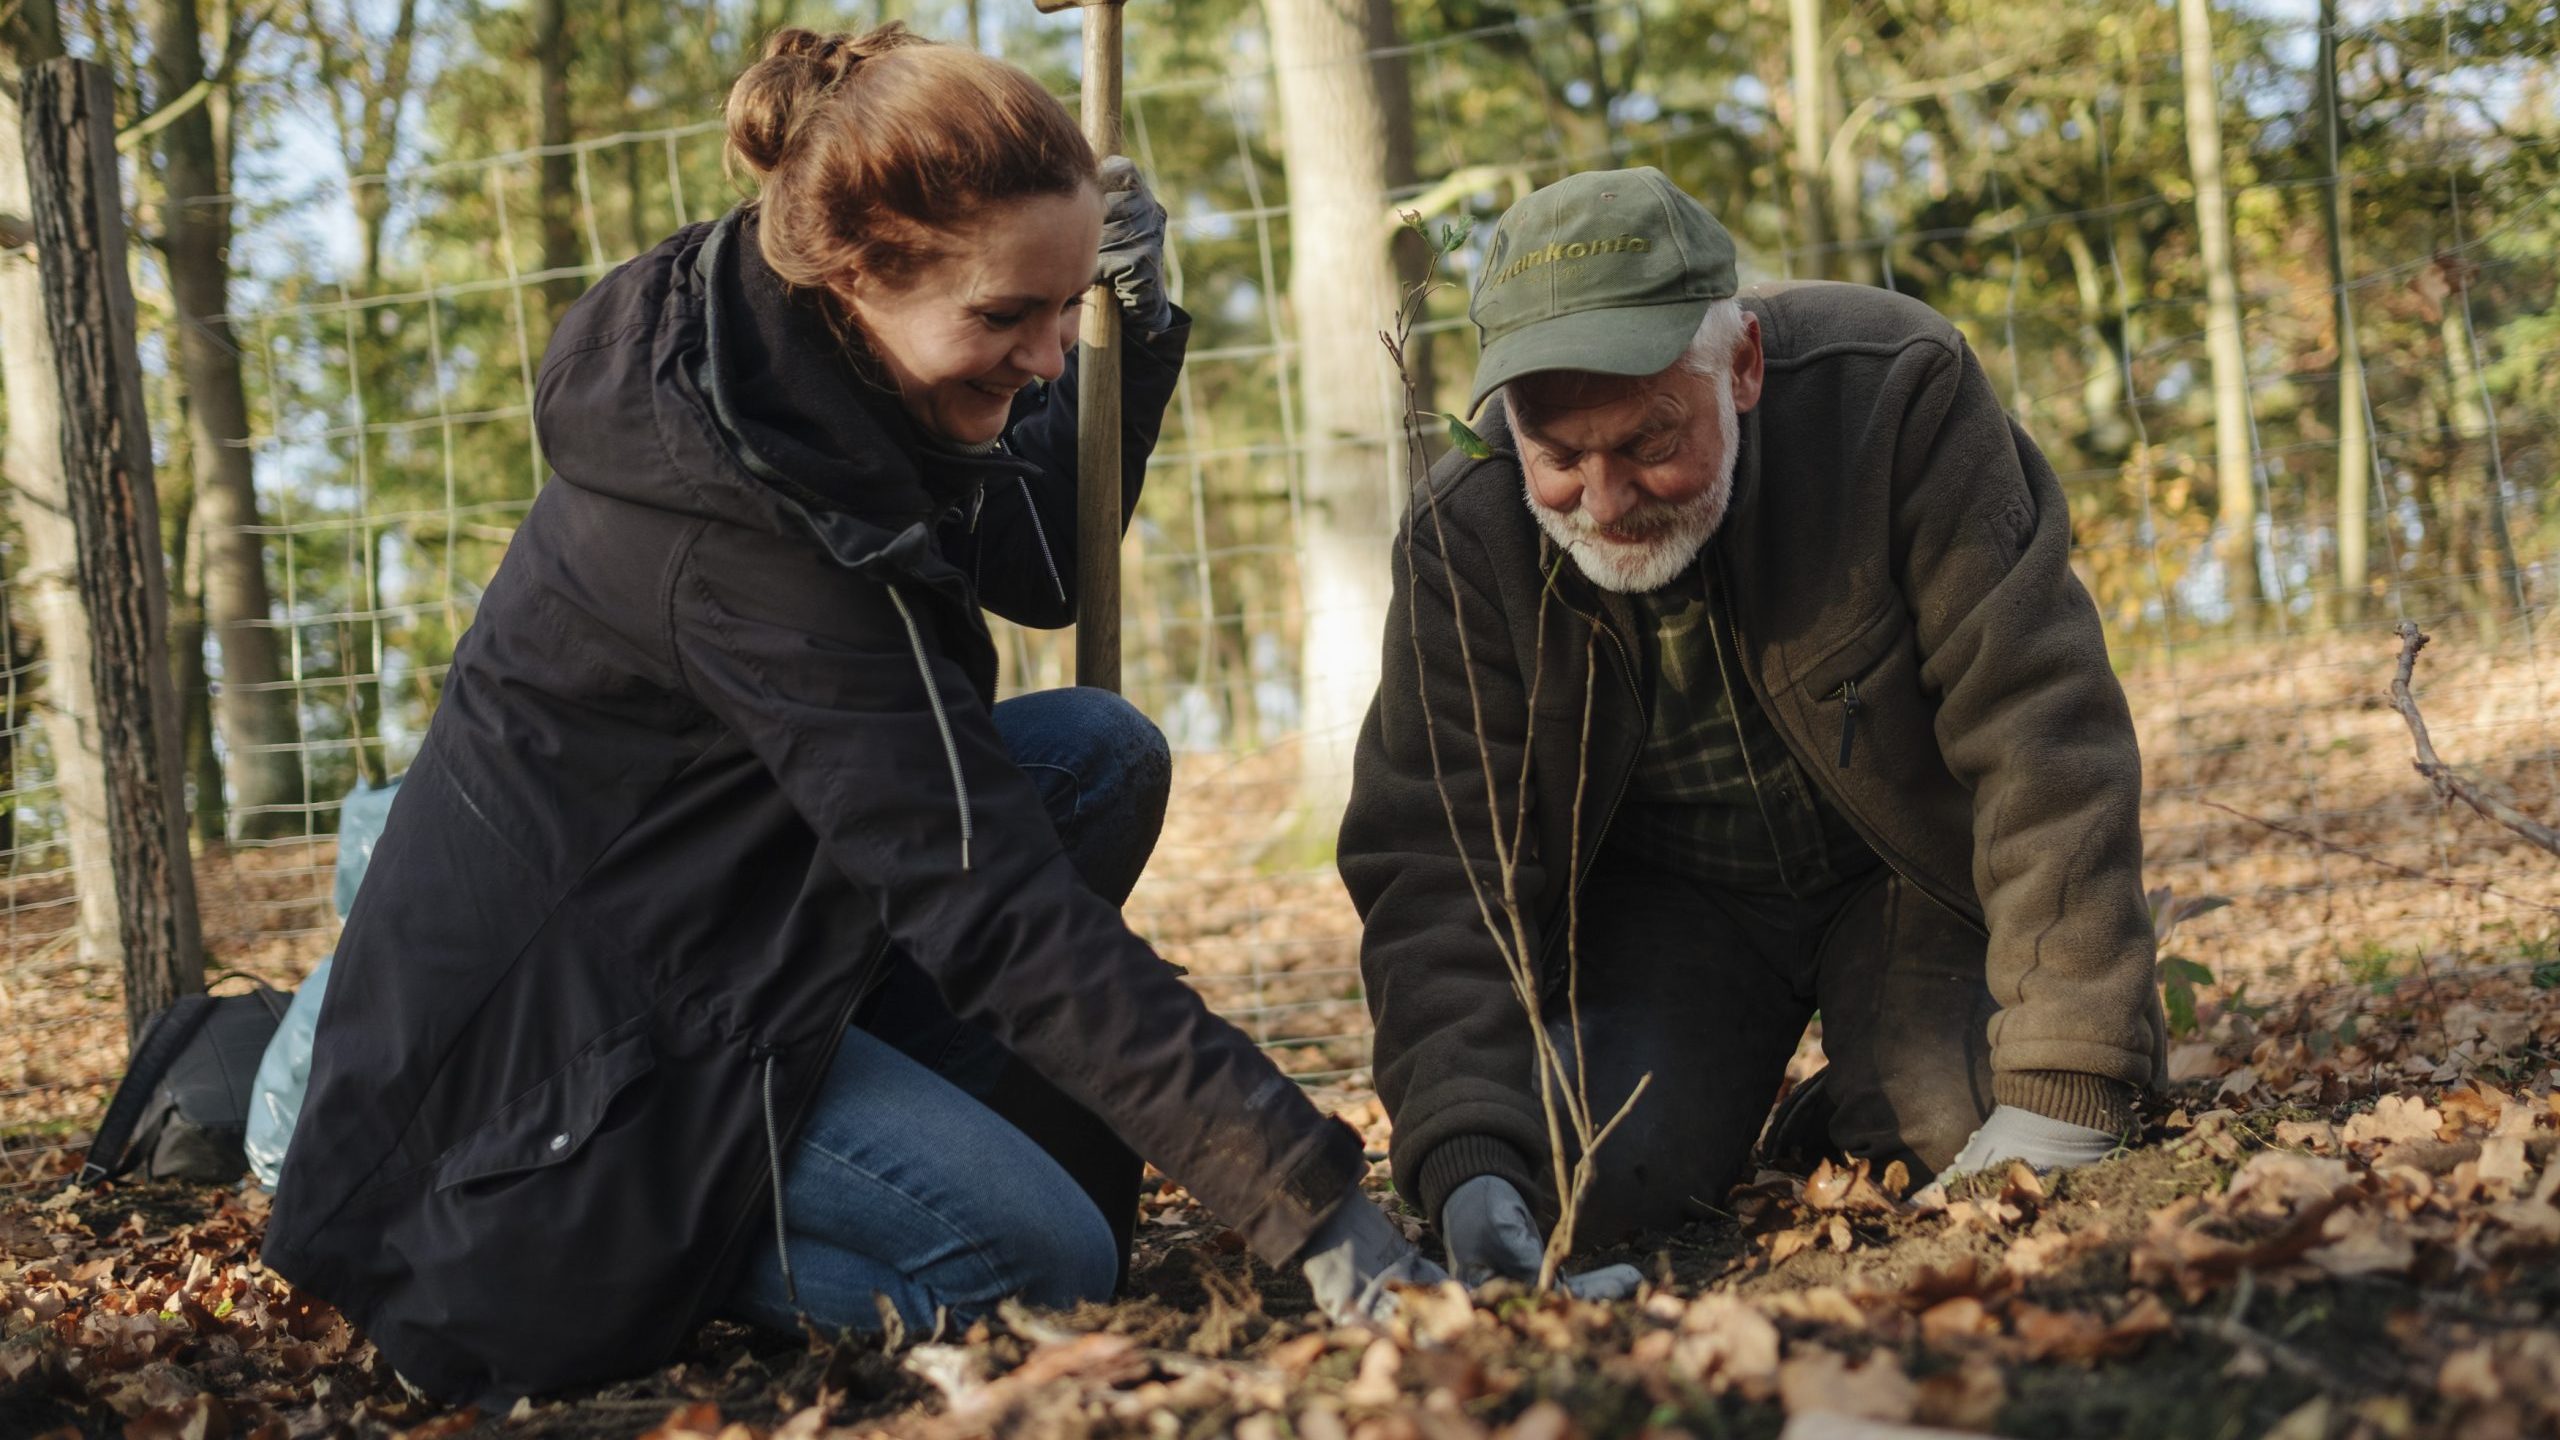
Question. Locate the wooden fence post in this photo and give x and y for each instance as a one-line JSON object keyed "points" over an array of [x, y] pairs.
{"points": [[1098, 479], [68, 113]]}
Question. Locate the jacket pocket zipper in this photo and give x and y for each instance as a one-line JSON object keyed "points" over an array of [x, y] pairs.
{"points": [[1849, 706]]}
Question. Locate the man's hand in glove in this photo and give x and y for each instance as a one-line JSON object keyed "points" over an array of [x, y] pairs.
{"points": [[1492, 1234], [1354, 1256], [2045, 1144], [1133, 247]]}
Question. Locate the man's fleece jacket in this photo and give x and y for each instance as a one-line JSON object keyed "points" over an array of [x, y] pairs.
{"points": [[1896, 558]]}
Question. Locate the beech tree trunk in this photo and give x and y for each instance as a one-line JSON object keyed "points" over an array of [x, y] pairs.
{"points": [[559, 169], [1342, 289], [2236, 517], [77, 216], [254, 712], [1805, 70]]}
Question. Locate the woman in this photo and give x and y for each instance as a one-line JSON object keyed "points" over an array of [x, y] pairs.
{"points": [[729, 949]]}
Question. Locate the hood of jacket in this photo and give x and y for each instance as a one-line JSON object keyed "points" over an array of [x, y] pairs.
{"points": [[690, 388]]}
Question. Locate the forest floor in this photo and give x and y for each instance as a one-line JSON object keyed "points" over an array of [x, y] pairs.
{"points": [[2341, 1221]]}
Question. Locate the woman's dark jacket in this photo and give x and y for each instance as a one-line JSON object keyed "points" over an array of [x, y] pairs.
{"points": [[718, 737]]}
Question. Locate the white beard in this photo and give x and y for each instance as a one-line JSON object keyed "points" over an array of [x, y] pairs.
{"points": [[1674, 534]]}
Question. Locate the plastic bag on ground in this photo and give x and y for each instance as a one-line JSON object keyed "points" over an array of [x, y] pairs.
{"points": [[275, 1099]]}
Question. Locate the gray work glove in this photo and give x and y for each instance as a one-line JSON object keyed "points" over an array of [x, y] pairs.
{"points": [[1492, 1234], [1354, 1256], [1133, 247], [2044, 1143]]}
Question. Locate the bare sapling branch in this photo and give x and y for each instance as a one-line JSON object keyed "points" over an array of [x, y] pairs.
{"points": [[2448, 783], [1573, 1135]]}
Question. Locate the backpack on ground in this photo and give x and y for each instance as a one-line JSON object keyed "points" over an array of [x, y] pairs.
{"points": [[182, 1110]]}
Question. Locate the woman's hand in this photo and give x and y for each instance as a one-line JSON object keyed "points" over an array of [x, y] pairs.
{"points": [[1133, 246]]}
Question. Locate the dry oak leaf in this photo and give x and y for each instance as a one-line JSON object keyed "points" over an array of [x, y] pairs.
{"points": [[2361, 1242], [1545, 1420], [1376, 1382], [2520, 1367], [2084, 1337], [1951, 1321], [2503, 1163], [2532, 1222], [2306, 1135], [2194, 1060], [200, 1417], [2275, 1181], [2395, 1117], [1727, 1344], [1817, 1379], [1968, 1397], [1786, 1245], [1962, 1276], [2172, 1250], [2033, 1255]]}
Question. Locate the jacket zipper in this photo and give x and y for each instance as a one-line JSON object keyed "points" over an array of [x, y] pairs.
{"points": [[1892, 858], [1848, 718], [941, 720], [862, 986], [1040, 533]]}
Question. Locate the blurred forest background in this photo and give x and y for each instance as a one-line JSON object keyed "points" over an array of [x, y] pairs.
{"points": [[2270, 280]]}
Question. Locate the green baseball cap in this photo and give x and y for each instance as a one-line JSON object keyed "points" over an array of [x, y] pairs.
{"points": [[1607, 271]]}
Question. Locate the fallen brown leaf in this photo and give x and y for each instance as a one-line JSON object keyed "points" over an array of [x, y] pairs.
{"points": [[1817, 1379]]}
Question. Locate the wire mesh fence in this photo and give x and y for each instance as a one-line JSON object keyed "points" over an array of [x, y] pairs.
{"points": [[391, 363]]}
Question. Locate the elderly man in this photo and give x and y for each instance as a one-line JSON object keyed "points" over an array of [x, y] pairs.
{"points": [[1771, 639]]}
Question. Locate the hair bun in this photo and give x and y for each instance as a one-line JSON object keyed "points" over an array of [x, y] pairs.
{"points": [[767, 107]]}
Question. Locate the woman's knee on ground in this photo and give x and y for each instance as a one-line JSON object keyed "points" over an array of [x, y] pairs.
{"points": [[1059, 1257]]}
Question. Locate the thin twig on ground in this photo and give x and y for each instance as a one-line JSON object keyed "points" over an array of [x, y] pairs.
{"points": [[2449, 784], [2394, 866]]}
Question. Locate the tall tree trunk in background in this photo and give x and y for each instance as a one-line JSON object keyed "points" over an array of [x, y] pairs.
{"points": [[369, 127], [626, 75], [552, 46], [1413, 254], [2355, 433], [1805, 72], [2106, 435], [2236, 518], [21, 648], [195, 696], [48, 592], [200, 770], [255, 714], [1343, 291], [2494, 563]]}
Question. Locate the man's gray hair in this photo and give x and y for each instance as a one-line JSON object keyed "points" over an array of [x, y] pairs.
{"points": [[1720, 333]]}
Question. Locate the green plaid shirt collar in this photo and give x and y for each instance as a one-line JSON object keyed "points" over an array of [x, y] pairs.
{"points": [[1715, 795]]}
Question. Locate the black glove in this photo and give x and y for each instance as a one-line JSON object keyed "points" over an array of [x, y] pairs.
{"points": [[1133, 247], [1354, 1256], [1492, 1234]]}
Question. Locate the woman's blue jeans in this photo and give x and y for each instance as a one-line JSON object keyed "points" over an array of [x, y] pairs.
{"points": [[935, 1168]]}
